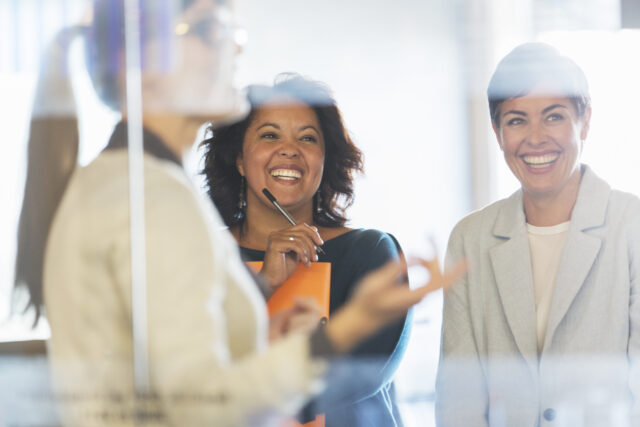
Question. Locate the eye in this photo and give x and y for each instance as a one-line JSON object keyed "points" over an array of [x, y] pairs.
{"points": [[309, 138], [554, 117], [515, 121], [268, 135]]}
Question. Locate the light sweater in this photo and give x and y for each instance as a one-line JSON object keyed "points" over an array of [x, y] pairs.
{"points": [[209, 363], [545, 245]]}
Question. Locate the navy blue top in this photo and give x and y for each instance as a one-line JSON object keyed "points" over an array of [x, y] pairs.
{"points": [[362, 393]]}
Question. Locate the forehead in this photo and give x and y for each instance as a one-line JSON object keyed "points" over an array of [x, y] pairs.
{"points": [[283, 111], [540, 97]]}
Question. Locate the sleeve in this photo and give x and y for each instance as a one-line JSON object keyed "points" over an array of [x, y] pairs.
{"points": [[195, 281], [461, 396], [371, 365], [633, 351]]}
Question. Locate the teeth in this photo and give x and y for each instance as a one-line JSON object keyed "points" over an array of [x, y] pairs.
{"points": [[540, 161], [289, 174]]}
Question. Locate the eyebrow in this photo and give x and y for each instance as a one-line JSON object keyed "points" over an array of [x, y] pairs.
{"points": [[551, 107], [268, 124], [309, 127], [544, 111]]}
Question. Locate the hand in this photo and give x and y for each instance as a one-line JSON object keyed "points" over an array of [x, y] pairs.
{"points": [[304, 316], [378, 300], [285, 249]]}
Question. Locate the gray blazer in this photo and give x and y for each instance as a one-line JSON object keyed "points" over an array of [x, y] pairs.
{"points": [[490, 371]]}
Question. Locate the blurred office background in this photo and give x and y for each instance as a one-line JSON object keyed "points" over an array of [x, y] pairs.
{"points": [[410, 77]]}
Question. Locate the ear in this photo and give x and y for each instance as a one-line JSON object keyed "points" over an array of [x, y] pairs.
{"points": [[496, 131], [586, 120], [240, 164]]}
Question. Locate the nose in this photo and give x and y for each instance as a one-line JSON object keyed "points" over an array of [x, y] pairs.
{"points": [[288, 149], [537, 135]]}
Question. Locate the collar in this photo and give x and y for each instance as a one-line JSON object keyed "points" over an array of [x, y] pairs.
{"points": [[151, 142], [588, 212]]}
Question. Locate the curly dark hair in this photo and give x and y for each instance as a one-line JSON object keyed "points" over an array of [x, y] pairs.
{"points": [[342, 157]]}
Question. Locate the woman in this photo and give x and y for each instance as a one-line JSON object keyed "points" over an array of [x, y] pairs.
{"points": [[545, 324], [199, 355], [293, 143]]}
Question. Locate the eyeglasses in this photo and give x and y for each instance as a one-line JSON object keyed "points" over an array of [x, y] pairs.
{"points": [[213, 31]]}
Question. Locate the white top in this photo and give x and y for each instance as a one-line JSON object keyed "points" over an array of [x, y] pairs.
{"points": [[545, 245], [207, 324]]}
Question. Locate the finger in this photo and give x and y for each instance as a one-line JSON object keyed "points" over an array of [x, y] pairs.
{"points": [[432, 265], [311, 238], [291, 243], [302, 238], [314, 234], [381, 278], [306, 304], [310, 232], [445, 281], [303, 322], [300, 233]]}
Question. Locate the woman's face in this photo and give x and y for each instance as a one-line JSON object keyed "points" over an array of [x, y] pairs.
{"points": [[541, 137], [283, 150]]}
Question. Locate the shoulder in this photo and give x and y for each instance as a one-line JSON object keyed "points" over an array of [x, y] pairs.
{"points": [[373, 244], [482, 220], [620, 207], [367, 237], [624, 210], [623, 201]]}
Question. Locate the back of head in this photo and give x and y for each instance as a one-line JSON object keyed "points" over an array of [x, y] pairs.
{"points": [[105, 42], [530, 65], [53, 138]]}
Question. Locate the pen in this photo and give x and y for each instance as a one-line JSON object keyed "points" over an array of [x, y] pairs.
{"points": [[285, 214]]}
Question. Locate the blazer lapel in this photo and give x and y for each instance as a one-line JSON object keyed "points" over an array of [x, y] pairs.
{"points": [[512, 268], [580, 250]]}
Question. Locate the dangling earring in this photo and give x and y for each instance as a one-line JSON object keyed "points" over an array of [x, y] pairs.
{"points": [[319, 208], [242, 202]]}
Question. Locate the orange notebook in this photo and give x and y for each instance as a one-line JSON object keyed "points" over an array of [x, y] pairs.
{"points": [[314, 281]]}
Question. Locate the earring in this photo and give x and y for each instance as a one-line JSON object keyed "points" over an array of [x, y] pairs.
{"points": [[319, 208], [242, 202]]}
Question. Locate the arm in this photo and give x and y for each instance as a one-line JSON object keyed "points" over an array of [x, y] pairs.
{"points": [[633, 350], [371, 364], [461, 396], [207, 325]]}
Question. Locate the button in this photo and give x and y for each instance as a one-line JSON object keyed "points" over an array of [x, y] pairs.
{"points": [[549, 414]]}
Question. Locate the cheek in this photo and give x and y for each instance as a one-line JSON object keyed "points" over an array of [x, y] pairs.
{"points": [[317, 162], [253, 162]]}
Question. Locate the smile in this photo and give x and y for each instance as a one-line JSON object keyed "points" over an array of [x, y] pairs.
{"points": [[286, 174], [540, 161]]}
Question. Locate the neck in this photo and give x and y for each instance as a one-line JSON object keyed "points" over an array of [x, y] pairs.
{"points": [[262, 220], [552, 209], [177, 133]]}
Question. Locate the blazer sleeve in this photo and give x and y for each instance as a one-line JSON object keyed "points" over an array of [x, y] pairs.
{"points": [[634, 310], [195, 280], [461, 396]]}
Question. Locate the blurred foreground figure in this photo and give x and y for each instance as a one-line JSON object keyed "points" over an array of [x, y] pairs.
{"points": [[201, 327], [545, 327]]}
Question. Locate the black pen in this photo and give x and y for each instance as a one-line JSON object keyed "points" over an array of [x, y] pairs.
{"points": [[285, 214]]}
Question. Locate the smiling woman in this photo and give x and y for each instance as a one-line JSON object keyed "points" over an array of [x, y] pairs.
{"points": [[294, 144], [548, 314]]}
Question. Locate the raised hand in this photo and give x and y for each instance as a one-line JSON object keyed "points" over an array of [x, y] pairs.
{"points": [[304, 316], [285, 249], [379, 299]]}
